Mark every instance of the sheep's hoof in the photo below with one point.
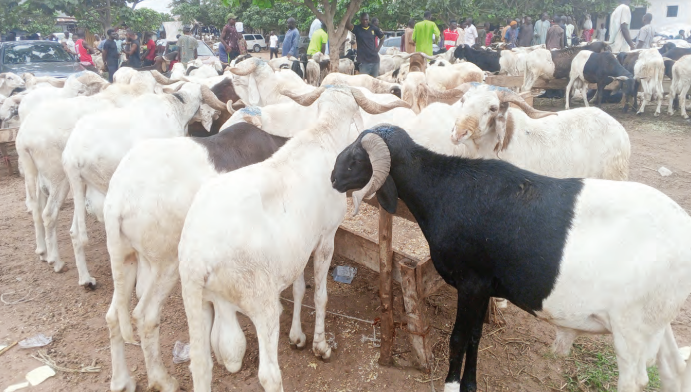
(300, 343)
(42, 254)
(322, 350)
(130, 386)
(90, 285)
(656, 114)
(60, 267)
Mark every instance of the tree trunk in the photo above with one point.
(337, 34)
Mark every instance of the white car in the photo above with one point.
(255, 42)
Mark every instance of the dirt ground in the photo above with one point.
(514, 357)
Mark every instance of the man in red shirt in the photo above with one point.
(83, 49)
(451, 35)
(150, 54)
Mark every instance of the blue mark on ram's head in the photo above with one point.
(384, 129)
(495, 88)
(252, 110)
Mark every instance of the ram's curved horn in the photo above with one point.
(160, 78)
(380, 157)
(404, 56)
(428, 57)
(454, 93)
(209, 98)
(244, 71)
(512, 97)
(373, 107)
(304, 99)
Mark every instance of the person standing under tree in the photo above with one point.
(540, 30)
(229, 49)
(291, 40)
(187, 46)
(471, 35)
(83, 49)
(273, 45)
(150, 54)
(367, 50)
(407, 44)
(525, 35)
(110, 54)
(133, 59)
(569, 31)
(451, 35)
(511, 37)
(555, 35)
(620, 20)
(318, 41)
(424, 33)
(646, 34)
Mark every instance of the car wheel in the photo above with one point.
(257, 48)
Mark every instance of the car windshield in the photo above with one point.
(203, 50)
(35, 53)
(393, 42)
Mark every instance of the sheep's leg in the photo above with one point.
(669, 362)
(199, 326)
(147, 314)
(50, 219)
(646, 96)
(227, 338)
(563, 341)
(78, 230)
(682, 100)
(567, 95)
(670, 106)
(584, 93)
(322, 260)
(297, 337)
(630, 344)
(660, 91)
(80, 258)
(124, 277)
(469, 382)
(35, 199)
(473, 300)
(600, 92)
(124, 271)
(636, 87)
(266, 321)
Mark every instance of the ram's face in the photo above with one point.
(474, 119)
(353, 168)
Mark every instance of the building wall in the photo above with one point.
(668, 25)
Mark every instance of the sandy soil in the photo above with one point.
(512, 358)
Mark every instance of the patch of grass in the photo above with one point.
(595, 368)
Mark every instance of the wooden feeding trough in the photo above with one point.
(7, 137)
(418, 279)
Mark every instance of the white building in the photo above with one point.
(669, 16)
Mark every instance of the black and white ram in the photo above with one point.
(589, 256)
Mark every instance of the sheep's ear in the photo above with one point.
(503, 136)
(387, 195)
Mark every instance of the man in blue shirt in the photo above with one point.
(291, 40)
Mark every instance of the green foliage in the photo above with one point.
(142, 19)
(26, 17)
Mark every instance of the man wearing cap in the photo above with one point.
(229, 49)
(187, 46)
(512, 34)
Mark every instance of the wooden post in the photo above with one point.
(385, 283)
(418, 327)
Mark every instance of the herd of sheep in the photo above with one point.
(516, 203)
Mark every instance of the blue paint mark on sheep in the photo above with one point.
(252, 110)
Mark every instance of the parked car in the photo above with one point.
(203, 50)
(255, 42)
(396, 43)
(41, 58)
